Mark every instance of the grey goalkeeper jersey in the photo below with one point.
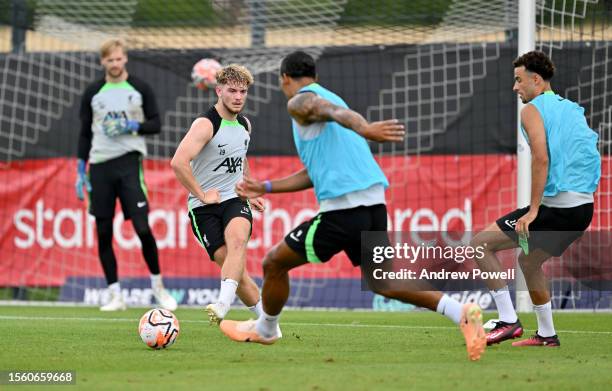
(132, 99)
(220, 164)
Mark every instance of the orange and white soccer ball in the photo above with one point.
(204, 73)
(158, 328)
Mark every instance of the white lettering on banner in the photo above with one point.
(202, 296)
(75, 217)
(269, 216)
(184, 228)
(483, 299)
(90, 223)
(132, 296)
(169, 220)
(74, 228)
(425, 219)
(41, 216)
(24, 228)
(34, 231)
(94, 296)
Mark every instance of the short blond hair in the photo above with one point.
(234, 73)
(111, 44)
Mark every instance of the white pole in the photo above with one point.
(526, 43)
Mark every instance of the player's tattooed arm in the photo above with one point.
(307, 108)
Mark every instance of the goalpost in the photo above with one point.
(526, 43)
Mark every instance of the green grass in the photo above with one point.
(47, 293)
(319, 351)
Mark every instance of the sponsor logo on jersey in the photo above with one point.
(231, 164)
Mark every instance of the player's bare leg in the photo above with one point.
(248, 291)
(492, 239)
(467, 316)
(236, 239)
(275, 292)
(538, 286)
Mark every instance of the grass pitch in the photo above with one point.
(320, 351)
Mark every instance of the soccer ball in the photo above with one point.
(204, 73)
(158, 328)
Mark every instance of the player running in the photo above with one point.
(350, 187)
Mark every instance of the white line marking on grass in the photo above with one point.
(348, 325)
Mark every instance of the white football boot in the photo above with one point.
(216, 312)
(115, 303)
(164, 299)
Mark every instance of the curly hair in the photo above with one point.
(536, 62)
(234, 73)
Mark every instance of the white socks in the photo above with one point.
(115, 288)
(227, 293)
(450, 308)
(545, 320)
(257, 309)
(505, 308)
(156, 282)
(267, 325)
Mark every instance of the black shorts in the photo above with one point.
(208, 222)
(553, 230)
(328, 233)
(119, 177)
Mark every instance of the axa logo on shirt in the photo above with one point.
(232, 164)
(115, 115)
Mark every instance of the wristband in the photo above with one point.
(268, 186)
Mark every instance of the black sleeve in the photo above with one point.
(86, 116)
(214, 118)
(244, 121)
(152, 124)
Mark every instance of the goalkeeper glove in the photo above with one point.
(81, 180)
(118, 125)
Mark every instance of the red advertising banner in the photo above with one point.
(47, 235)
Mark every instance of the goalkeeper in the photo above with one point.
(116, 112)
